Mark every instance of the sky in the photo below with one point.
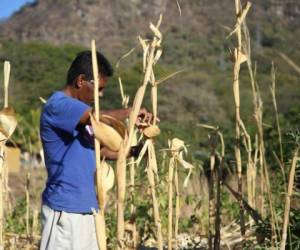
(8, 7)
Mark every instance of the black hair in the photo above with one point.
(82, 64)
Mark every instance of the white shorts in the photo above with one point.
(67, 231)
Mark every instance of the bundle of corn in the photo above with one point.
(8, 124)
(177, 148)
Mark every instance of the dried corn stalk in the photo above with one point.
(215, 173)
(219, 172)
(170, 196)
(251, 168)
(176, 147)
(257, 113)
(150, 51)
(131, 225)
(288, 199)
(35, 221)
(273, 93)
(6, 82)
(132, 164)
(99, 216)
(211, 184)
(8, 124)
(290, 62)
(152, 173)
(27, 186)
(238, 58)
(260, 149)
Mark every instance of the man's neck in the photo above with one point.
(70, 91)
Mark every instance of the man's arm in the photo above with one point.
(85, 118)
(119, 114)
(108, 154)
(111, 155)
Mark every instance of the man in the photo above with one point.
(69, 196)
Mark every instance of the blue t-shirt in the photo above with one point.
(69, 156)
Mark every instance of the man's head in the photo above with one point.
(80, 75)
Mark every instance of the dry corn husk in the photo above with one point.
(107, 135)
(240, 57)
(151, 131)
(177, 147)
(107, 176)
(186, 165)
(157, 56)
(116, 124)
(177, 144)
(8, 123)
(142, 152)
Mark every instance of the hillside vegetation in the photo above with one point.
(37, 40)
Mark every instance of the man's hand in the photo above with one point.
(136, 150)
(112, 156)
(144, 119)
(119, 114)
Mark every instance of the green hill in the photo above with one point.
(194, 42)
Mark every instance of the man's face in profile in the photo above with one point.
(86, 89)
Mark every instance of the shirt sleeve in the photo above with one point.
(65, 114)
